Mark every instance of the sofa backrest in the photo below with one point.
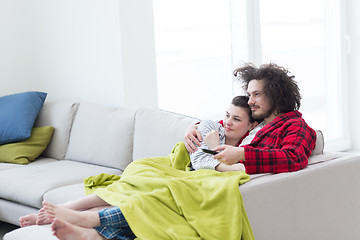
(102, 135)
(60, 116)
(112, 137)
(157, 131)
(319, 145)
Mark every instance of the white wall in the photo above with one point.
(82, 50)
(103, 51)
(353, 21)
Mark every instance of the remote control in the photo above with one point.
(209, 151)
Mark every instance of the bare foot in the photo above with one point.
(87, 219)
(66, 231)
(28, 220)
(43, 218)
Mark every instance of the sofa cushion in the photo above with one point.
(17, 115)
(28, 150)
(68, 193)
(157, 131)
(28, 184)
(4, 166)
(60, 116)
(102, 135)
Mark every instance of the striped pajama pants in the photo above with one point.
(113, 224)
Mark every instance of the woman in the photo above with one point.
(235, 126)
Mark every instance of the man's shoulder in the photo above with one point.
(294, 121)
(291, 120)
(293, 117)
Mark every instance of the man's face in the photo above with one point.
(259, 102)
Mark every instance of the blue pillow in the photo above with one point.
(18, 113)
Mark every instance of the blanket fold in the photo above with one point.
(162, 199)
(99, 181)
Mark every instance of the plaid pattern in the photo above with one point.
(113, 224)
(283, 145)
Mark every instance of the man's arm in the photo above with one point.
(229, 155)
(286, 150)
(192, 137)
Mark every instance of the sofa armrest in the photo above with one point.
(322, 201)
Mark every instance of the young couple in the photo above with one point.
(281, 143)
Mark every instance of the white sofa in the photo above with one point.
(321, 201)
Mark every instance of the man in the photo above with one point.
(285, 141)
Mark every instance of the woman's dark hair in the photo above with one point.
(280, 86)
(242, 101)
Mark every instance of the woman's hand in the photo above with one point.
(212, 139)
(227, 168)
(192, 136)
(229, 155)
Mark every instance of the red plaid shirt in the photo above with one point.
(283, 145)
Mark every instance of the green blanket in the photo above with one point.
(162, 199)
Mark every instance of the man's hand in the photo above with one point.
(229, 155)
(192, 136)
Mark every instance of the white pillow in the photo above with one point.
(319, 145)
(60, 116)
(157, 131)
(102, 135)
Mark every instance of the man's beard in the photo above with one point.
(263, 115)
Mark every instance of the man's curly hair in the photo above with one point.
(280, 86)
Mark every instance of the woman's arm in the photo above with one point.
(199, 159)
(227, 168)
(212, 139)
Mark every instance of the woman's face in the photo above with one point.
(236, 123)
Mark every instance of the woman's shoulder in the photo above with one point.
(209, 125)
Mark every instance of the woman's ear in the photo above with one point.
(253, 125)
